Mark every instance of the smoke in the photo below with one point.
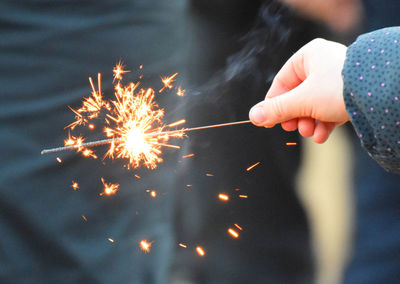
(261, 46)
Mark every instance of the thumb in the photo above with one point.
(293, 104)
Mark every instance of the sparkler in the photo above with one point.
(151, 134)
(133, 123)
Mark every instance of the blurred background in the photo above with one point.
(322, 214)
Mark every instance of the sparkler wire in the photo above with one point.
(108, 141)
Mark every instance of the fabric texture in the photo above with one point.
(372, 94)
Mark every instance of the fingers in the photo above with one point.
(293, 104)
(306, 126)
(322, 131)
(290, 125)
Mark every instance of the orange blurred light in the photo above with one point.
(109, 188)
(252, 166)
(145, 246)
(233, 233)
(200, 251)
(223, 197)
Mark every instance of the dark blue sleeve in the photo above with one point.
(371, 75)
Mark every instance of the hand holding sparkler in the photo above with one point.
(307, 93)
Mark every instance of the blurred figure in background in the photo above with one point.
(48, 49)
(376, 253)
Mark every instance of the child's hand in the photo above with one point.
(307, 93)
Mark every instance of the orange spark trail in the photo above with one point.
(243, 196)
(223, 197)
(187, 156)
(237, 226)
(233, 233)
(200, 251)
(252, 166)
(110, 240)
(179, 122)
(291, 143)
(59, 160)
(84, 218)
(182, 245)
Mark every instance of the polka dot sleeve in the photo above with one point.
(371, 75)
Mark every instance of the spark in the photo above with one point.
(243, 196)
(59, 160)
(75, 185)
(291, 143)
(200, 251)
(109, 188)
(167, 81)
(233, 233)
(189, 185)
(137, 176)
(252, 166)
(180, 92)
(84, 218)
(110, 240)
(153, 193)
(209, 175)
(179, 122)
(118, 71)
(187, 156)
(87, 153)
(223, 197)
(145, 246)
(129, 117)
(237, 226)
(182, 245)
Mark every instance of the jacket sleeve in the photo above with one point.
(371, 75)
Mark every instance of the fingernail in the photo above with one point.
(257, 115)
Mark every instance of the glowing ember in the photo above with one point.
(291, 143)
(110, 240)
(84, 218)
(189, 185)
(109, 188)
(153, 193)
(59, 160)
(237, 226)
(233, 233)
(137, 176)
(75, 185)
(187, 156)
(145, 246)
(133, 121)
(88, 153)
(180, 92)
(118, 71)
(209, 175)
(167, 81)
(182, 245)
(200, 251)
(243, 196)
(223, 197)
(252, 166)
(179, 122)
